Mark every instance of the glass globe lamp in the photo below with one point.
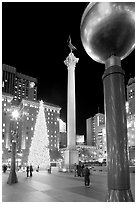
(108, 28)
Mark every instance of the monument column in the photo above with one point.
(71, 154)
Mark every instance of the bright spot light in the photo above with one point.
(15, 114)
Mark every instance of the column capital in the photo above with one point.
(71, 60)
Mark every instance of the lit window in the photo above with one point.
(55, 136)
(55, 131)
(55, 145)
(3, 124)
(55, 123)
(27, 118)
(48, 113)
(26, 138)
(48, 118)
(3, 130)
(4, 104)
(31, 128)
(48, 121)
(32, 119)
(51, 135)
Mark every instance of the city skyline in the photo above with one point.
(35, 41)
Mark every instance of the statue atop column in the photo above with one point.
(71, 60)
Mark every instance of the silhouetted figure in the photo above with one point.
(31, 170)
(79, 169)
(87, 174)
(4, 168)
(37, 169)
(82, 170)
(49, 169)
(75, 169)
(27, 170)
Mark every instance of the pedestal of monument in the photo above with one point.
(70, 158)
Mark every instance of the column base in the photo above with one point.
(70, 158)
(12, 178)
(119, 196)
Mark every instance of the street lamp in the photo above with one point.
(108, 36)
(12, 176)
(15, 114)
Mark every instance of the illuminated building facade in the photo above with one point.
(90, 136)
(130, 109)
(96, 135)
(63, 134)
(80, 140)
(25, 125)
(18, 85)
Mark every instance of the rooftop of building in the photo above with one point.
(31, 101)
(19, 75)
(131, 81)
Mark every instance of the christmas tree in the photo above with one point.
(39, 151)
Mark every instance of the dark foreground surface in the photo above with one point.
(57, 187)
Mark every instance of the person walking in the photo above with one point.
(87, 176)
(27, 170)
(75, 170)
(82, 170)
(79, 169)
(37, 169)
(31, 170)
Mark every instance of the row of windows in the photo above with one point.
(131, 94)
(5, 104)
(46, 109)
(7, 100)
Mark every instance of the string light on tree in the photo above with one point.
(39, 151)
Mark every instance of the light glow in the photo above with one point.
(15, 114)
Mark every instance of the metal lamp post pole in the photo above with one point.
(12, 176)
(116, 129)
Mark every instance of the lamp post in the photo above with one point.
(12, 175)
(108, 36)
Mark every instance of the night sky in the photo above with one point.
(35, 41)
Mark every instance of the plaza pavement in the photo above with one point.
(57, 187)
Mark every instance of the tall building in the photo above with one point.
(96, 136)
(25, 126)
(63, 134)
(93, 125)
(20, 86)
(130, 109)
(131, 96)
(90, 136)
